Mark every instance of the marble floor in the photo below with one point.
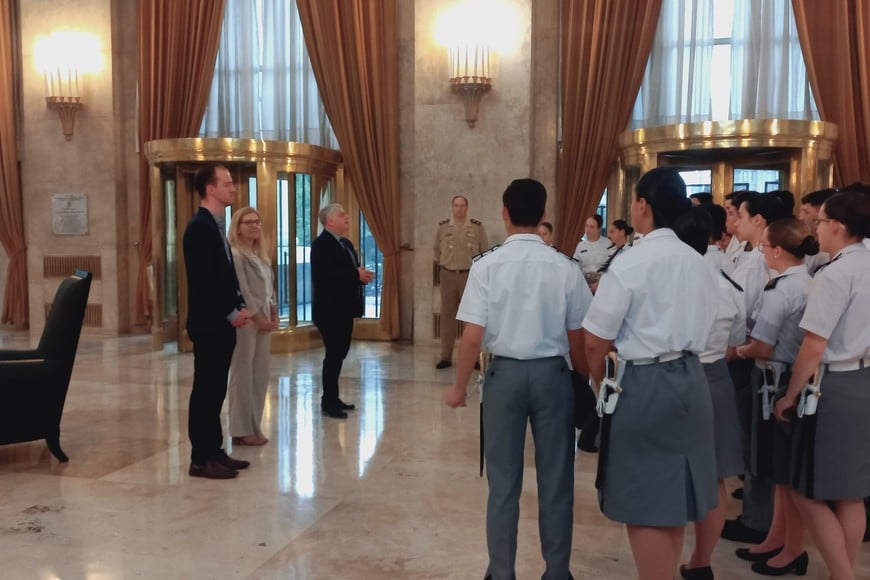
(392, 492)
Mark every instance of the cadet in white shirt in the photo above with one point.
(756, 211)
(657, 467)
(774, 344)
(525, 302)
(594, 250)
(830, 459)
(811, 203)
(727, 332)
(736, 247)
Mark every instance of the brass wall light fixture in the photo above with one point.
(470, 75)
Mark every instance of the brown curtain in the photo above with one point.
(605, 47)
(353, 46)
(11, 204)
(835, 39)
(178, 44)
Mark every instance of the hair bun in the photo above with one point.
(810, 246)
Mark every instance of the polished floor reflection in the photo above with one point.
(392, 492)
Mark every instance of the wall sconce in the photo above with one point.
(62, 95)
(469, 75)
(61, 58)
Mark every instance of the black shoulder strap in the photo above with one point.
(733, 283)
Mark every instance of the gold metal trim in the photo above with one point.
(282, 155)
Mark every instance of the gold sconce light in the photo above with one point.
(470, 75)
(62, 58)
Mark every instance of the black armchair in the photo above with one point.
(33, 383)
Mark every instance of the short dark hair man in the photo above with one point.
(526, 302)
(215, 310)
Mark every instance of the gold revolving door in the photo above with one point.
(724, 156)
(287, 183)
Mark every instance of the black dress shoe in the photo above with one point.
(797, 566)
(702, 573)
(737, 493)
(229, 462)
(334, 411)
(736, 531)
(211, 469)
(750, 556)
(345, 406)
(443, 364)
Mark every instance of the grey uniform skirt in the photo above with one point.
(830, 460)
(659, 466)
(772, 443)
(726, 423)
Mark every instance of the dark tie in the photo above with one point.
(347, 246)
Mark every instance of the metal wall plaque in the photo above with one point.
(69, 214)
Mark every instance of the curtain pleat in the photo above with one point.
(15, 310)
(605, 47)
(353, 45)
(835, 37)
(178, 43)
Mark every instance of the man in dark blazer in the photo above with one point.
(215, 310)
(338, 280)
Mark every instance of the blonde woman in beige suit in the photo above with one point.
(249, 370)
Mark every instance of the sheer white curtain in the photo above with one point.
(766, 55)
(688, 70)
(264, 86)
(676, 84)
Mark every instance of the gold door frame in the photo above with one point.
(803, 149)
(179, 158)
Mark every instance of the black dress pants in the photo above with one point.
(212, 353)
(336, 342)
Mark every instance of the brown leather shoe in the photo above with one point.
(229, 462)
(250, 440)
(211, 469)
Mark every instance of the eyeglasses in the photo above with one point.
(251, 222)
(817, 221)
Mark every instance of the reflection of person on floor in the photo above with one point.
(215, 310)
(337, 279)
(249, 371)
(524, 302)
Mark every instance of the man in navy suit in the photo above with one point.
(215, 310)
(338, 280)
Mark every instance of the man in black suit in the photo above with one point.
(215, 310)
(338, 280)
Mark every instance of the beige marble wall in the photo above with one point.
(514, 136)
(94, 162)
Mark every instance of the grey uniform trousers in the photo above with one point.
(518, 392)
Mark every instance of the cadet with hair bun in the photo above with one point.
(829, 457)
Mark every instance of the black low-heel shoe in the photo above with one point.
(704, 573)
(797, 566)
(750, 556)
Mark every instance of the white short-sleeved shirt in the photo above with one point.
(838, 305)
(718, 259)
(729, 328)
(813, 263)
(658, 298)
(734, 252)
(752, 274)
(592, 255)
(779, 312)
(526, 295)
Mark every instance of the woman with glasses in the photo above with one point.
(249, 371)
(774, 343)
(756, 212)
(830, 465)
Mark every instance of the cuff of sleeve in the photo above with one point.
(593, 328)
(472, 319)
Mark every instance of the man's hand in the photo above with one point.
(455, 396)
(365, 276)
(242, 319)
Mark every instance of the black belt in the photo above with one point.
(454, 271)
